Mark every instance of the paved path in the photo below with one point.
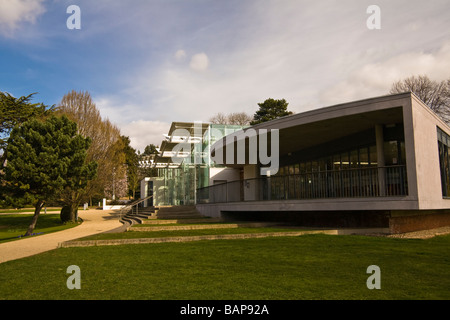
(94, 221)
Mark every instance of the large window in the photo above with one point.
(443, 144)
(355, 172)
(359, 158)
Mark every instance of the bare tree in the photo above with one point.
(106, 148)
(434, 94)
(239, 118)
(219, 118)
(235, 118)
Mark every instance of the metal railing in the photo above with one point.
(129, 207)
(349, 183)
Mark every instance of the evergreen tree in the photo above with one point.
(269, 110)
(45, 158)
(132, 163)
(14, 111)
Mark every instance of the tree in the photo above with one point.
(145, 158)
(219, 118)
(45, 158)
(106, 148)
(14, 111)
(132, 163)
(435, 95)
(239, 118)
(269, 110)
(235, 118)
(150, 149)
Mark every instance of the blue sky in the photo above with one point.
(147, 63)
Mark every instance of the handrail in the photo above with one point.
(132, 204)
(305, 174)
(348, 183)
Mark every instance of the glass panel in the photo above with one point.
(390, 153)
(336, 162)
(322, 164)
(314, 166)
(302, 167)
(291, 170)
(364, 157)
(345, 164)
(446, 166)
(354, 159)
(373, 156)
(402, 153)
(308, 166)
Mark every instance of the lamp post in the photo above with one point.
(114, 190)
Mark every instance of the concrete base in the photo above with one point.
(391, 221)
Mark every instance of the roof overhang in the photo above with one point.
(304, 130)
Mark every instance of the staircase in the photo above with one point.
(161, 215)
(177, 212)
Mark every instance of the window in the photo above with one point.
(443, 145)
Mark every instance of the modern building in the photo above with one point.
(380, 162)
(184, 164)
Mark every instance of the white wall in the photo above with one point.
(426, 154)
(223, 174)
(251, 188)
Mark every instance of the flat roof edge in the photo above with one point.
(337, 107)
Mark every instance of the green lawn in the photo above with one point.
(12, 226)
(182, 233)
(292, 268)
(28, 210)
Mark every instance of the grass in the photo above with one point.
(182, 233)
(286, 268)
(151, 225)
(27, 210)
(12, 226)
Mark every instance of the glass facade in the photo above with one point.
(443, 146)
(181, 180)
(348, 167)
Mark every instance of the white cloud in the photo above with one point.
(199, 62)
(311, 54)
(15, 12)
(180, 55)
(143, 133)
(374, 79)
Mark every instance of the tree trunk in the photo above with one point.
(74, 211)
(37, 211)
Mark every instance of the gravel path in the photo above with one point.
(424, 234)
(94, 221)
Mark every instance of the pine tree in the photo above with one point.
(45, 159)
(269, 110)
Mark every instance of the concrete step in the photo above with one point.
(179, 216)
(88, 243)
(144, 210)
(175, 208)
(189, 220)
(177, 212)
(207, 226)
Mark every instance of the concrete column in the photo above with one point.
(380, 159)
(251, 187)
